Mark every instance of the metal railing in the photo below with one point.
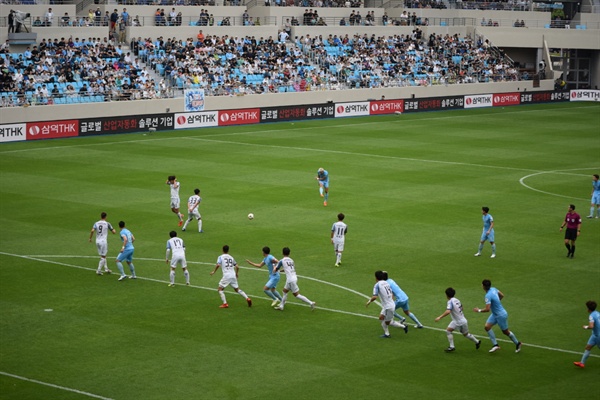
(84, 21)
(495, 6)
(379, 21)
(222, 20)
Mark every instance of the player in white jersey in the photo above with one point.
(383, 290)
(176, 247)
(459, 322)
(338, 238)
(230, 275)
(174, 185)
(193, 212)
(291, 280)
(102, 228)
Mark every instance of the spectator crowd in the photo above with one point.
(94, 69)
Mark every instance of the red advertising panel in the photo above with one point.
(386, 107)
(506, 99)
(239, 117)
(52, 129)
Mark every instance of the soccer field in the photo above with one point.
(411, 187)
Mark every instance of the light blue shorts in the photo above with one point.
(324, 183)
(501, 321)
(402, 304)
(489, 237)
(594, 341)
(126, 255)
(273, 281)
(596, 198)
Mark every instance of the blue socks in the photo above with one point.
(412, 316)
(492, 336)
(513, 338)
(586, 354)
(120, 267)
(274, 295)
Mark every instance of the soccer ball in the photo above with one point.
(250, 216)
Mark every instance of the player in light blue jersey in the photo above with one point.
(499, 316)
(594, 325)
(595, 206)
(323, 179)
(270, 288)
(488, 232)
(126, 253)
(401, 301)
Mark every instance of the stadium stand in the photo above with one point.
(246, 61)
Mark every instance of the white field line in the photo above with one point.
(40, 258)
(558, 172)
(95, 396)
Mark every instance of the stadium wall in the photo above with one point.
(123, 108)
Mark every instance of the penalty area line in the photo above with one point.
(95, 396)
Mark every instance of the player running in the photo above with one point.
(270, 288)
(459, 322)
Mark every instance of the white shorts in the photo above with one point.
(194, 214)
(178, 260)
(102, 248)
(388, 314)
(338, 246)
(231, 281)
(175, 202)
(292, 286)
(464, 328)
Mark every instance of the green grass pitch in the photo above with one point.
(411, 186)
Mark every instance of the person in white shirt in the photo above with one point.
(230, 277)
(176, 247)
(283, 36)
(193, 212)
(383, 290)
(459, 322)
(102, 228)
(291, 283)
(175, 202)
(48, 17)
(338, 238)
